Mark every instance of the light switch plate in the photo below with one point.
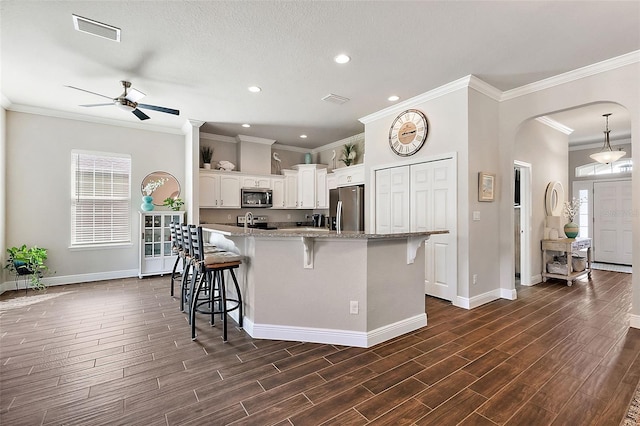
(476, 215)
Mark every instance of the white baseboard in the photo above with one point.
(71, 279)
(332, 336)
(509, 294)
(479, 300)
(634, 321)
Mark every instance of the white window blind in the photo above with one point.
(100, 198)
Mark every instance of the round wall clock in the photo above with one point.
(408, 132)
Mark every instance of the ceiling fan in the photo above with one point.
(128, 101)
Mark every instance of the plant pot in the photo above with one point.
(571, 230)
(207, 166)
(21, 268)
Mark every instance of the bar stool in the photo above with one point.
(176, 248)
(210, 279)
(188, 263)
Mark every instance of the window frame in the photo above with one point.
(102, 194)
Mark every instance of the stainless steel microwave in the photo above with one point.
(256, 197)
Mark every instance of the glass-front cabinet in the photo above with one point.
(156, 257)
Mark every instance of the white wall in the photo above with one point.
(3, 190)
(38, 186)
(546, 150)
(619, 85)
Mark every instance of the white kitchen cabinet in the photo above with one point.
(307, 184)
(249, 181)
(219, 190)
(351, 175)
(277, 186)
(290, 189)
(156, 257)
(322, 190)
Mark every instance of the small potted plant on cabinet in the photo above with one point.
(173, 203)
(206, 153)
(28, 261)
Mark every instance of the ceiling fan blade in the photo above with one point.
(88, 91)
(95, 105)
(159, 108)
(141, 115)
(134, 95)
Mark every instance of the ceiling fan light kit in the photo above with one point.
(606, 154)
(128, 101)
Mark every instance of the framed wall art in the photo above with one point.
(486, 186)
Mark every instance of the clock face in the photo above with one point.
(408, 132)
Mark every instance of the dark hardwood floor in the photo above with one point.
(119, 352)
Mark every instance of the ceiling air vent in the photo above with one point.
(96, 28)
(335, 99)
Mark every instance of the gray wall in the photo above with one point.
(38, 165)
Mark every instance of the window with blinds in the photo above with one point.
(100, 198)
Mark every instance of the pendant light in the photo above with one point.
(606, 154)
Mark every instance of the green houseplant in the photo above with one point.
(206, 153)
(28, 261)
(173, 203)
(348, 154)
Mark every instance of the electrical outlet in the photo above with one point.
(353, 307)
(475, 278)
(228, 217)
(288, 216)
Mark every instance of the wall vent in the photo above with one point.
(96, 28)
(335, 99)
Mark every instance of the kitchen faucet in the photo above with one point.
(248, 219)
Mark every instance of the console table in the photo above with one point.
(566, 245)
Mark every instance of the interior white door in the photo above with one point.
(392, 200)
(433, 207)
(612, 227)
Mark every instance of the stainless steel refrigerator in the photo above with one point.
(351, 199)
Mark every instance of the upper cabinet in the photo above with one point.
(277, 185)
(249, 181)
(307, 185)
(351, 175)
(219, 190)
(322, 189)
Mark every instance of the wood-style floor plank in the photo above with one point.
(119, 352)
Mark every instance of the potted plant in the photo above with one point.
(28, 261)
(206, 153)
(173, 203)
(348, 154)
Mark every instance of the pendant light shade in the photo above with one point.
(606, 154)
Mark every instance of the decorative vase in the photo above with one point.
(207, 166)
(571, 230)
(147, 203)
(307, 158)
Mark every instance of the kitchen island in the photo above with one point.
(315, 285)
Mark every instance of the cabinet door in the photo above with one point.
(322, 191)
(229, 191)
(291, 190)
(277, 185)
(392, 200)
(307, 188)
(263, 182)
(248, 182)
(209, 190)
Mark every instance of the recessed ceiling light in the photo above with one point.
(254, 89)
(246, 125)
(393, 98)
(303, 136)
(342, 59)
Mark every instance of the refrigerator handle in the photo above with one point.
(339, 217)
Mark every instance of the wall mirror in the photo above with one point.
(167, 186)
(554, 199)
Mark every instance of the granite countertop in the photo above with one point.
(236, 231)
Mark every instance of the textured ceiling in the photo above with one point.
(200, 56)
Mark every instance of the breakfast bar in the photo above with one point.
(315, 285)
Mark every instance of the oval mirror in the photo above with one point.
(160, 185)
(554, 199)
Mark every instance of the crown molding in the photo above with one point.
(281, 147)
(254, 139)
(4, 101)
(412, 102)
(91, 119)
(485, 88)
(555, 125)
(569, 76)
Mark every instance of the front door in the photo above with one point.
(612, 224)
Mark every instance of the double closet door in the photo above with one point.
(422, 197)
